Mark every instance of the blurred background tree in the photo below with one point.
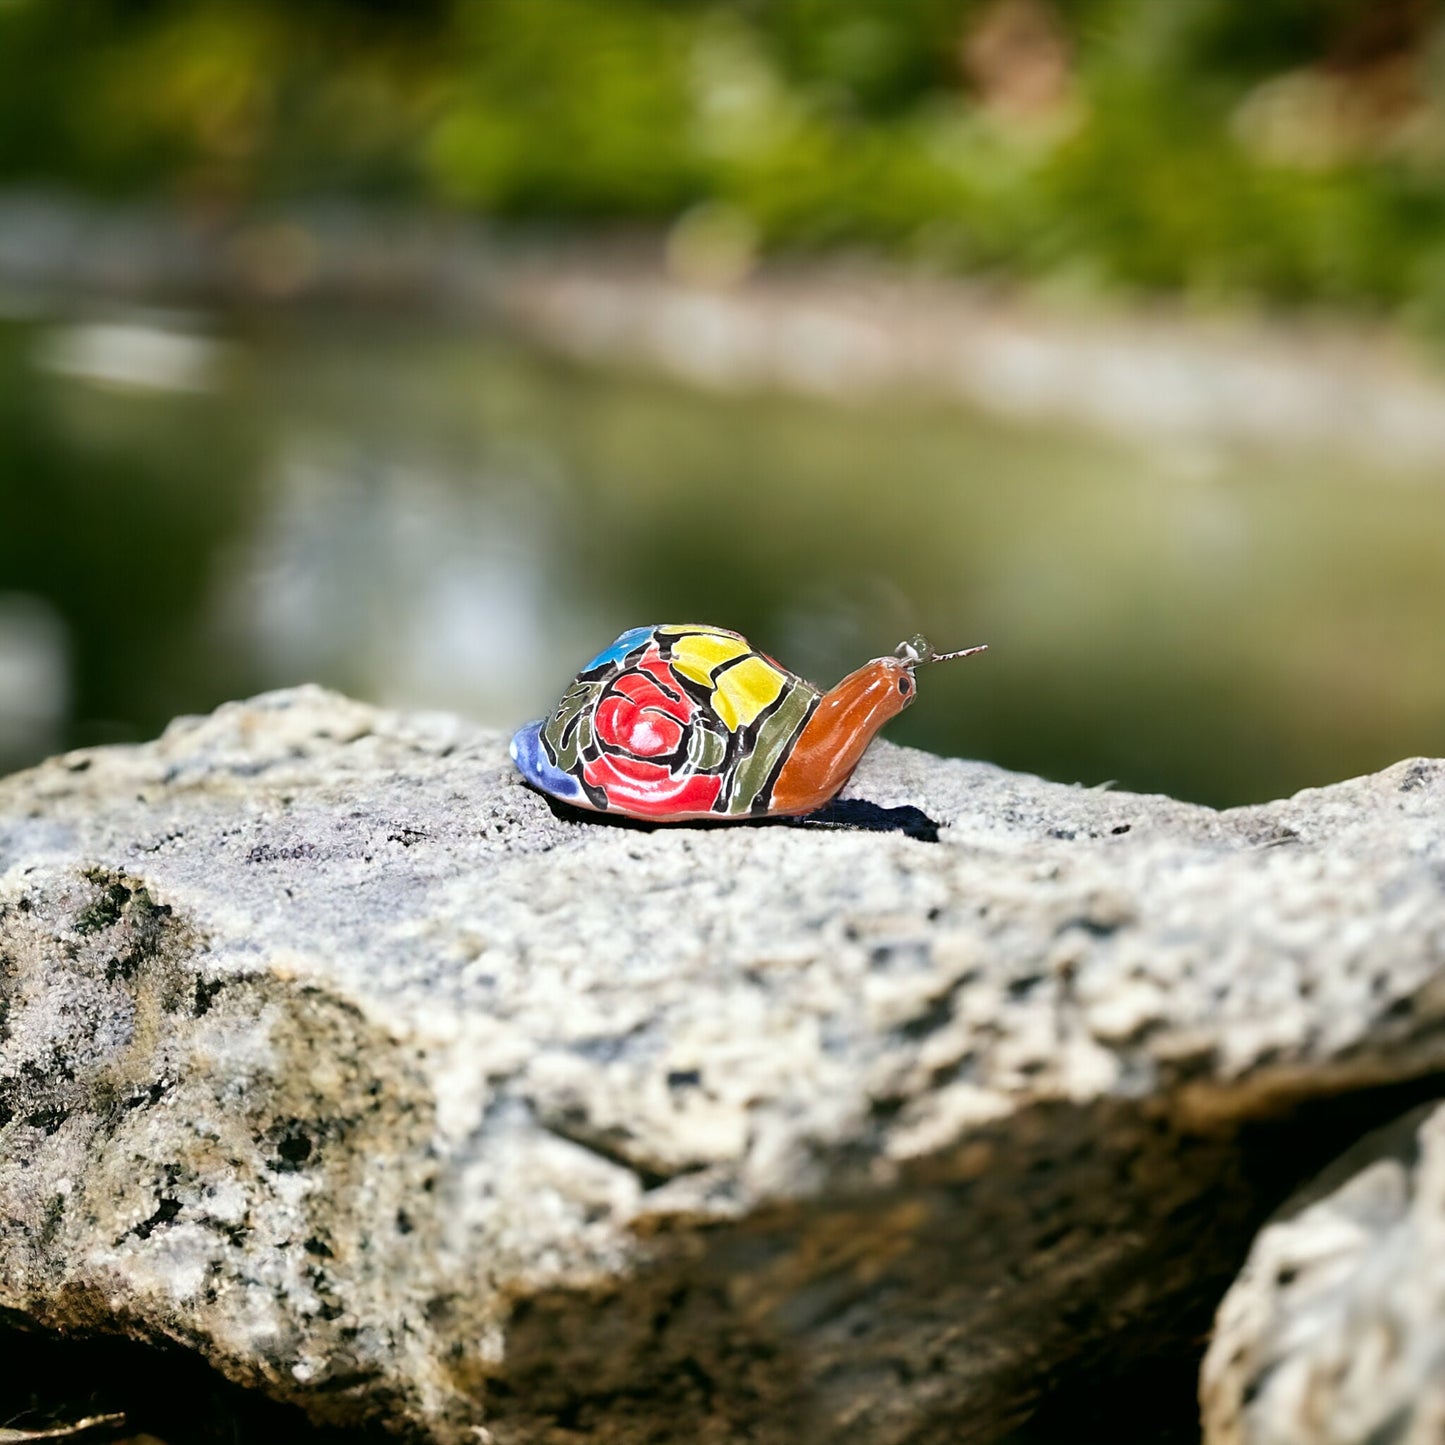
(1285, 152)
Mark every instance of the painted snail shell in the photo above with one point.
(678, 722)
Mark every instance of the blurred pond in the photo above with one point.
(196, 509)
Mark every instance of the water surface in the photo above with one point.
(196, 508)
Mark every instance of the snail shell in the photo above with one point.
(677, 722)
(670, 722)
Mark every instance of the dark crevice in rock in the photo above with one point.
(163, 1391)
(166, 1211)
(151, 1094)
(937, 1015)
(293, 1149)
(1291, 1148)
(1138, 1386)
(1150, 1404)
(47, 1120)
(205, 995)
(613, 1153)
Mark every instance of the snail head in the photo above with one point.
(885, 686)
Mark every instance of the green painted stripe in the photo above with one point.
(706, 749)
(753, 776)
(564, 731)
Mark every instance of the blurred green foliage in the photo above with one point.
(1290, 151)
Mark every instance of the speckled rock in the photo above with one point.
(1334, 1333)
(333, 1053)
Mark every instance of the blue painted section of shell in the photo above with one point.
(619, 649)
(538, 769)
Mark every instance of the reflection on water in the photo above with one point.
(427, 518)
(399, 576)
(34, 675)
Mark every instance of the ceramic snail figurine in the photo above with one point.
(673, 723)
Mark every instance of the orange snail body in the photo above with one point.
(847, 720)
(673, 723)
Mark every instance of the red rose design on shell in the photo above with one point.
(641, 725)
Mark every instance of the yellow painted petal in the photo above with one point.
(745, 690)
(698, 653)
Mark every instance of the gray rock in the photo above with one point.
(1334, 1332)
(332, 1053)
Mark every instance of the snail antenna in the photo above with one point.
(962, 652)
(918, 649)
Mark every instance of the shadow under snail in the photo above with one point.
(677, 723)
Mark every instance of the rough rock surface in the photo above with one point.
(1334, 1333)
(329, 1051)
